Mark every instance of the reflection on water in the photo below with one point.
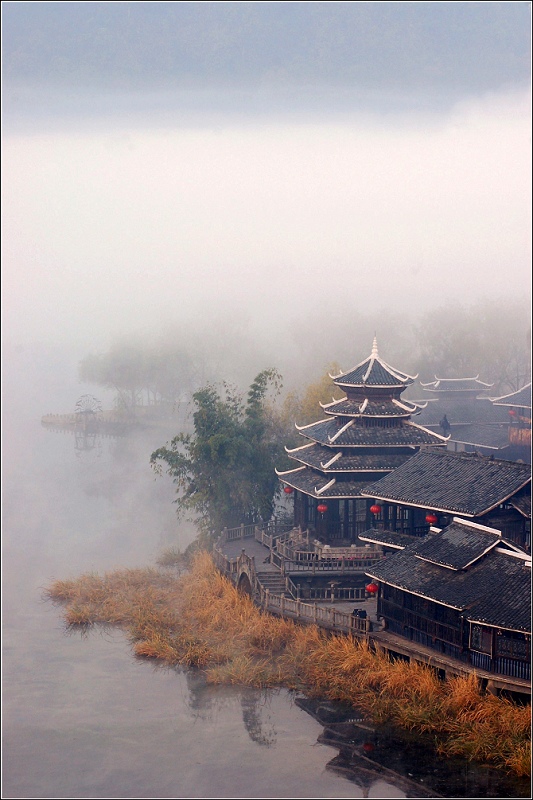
(81, 716)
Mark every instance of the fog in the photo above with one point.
(129, 228)
(259, 176)
(228, 187)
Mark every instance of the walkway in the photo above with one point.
(389, 642)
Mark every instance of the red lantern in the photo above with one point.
(512, 412)
(375, 509)
(368, 747)
(372, 588)
(431, 519)
(322, 508)
(288, 490)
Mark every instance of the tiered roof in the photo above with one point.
(375, 372)
(364, 436)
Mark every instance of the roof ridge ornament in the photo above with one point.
(375, 353)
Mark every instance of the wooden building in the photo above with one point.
(436, 485)
(518, 407)
(461, 408)
(362, 437)
(464, 591)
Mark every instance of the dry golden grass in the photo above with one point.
(200, 619)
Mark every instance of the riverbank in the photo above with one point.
(200, 619)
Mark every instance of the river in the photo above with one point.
(81, 716)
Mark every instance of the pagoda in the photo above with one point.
(363, 437)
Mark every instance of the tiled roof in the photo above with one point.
(457, 385)
(314, 484)
(519, 399)
(513, 609)
(475, 591)
(371, 408)
(373, 371)
(495, 437)
(386, 538)
(408, 434)
(321, 458)
(522, 503)
(461, 410)
(459, 483)
(456, 546)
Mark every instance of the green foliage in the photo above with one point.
(225, 470)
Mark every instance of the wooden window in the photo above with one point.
(509, 646)
(481, 639)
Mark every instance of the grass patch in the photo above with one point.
(200, 619)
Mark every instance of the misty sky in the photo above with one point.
(165, 162)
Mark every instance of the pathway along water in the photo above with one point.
(83, 718)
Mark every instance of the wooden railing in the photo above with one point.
(342, 566)
(324, 616)
(264, 532)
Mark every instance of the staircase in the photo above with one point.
(273, 581)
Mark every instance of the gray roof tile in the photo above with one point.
(496, 589)
(458, 483)
(359, 435)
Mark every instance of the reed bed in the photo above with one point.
(200, 619)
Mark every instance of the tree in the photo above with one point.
(225, 470)
(304, 408)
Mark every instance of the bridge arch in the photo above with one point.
(245, 582)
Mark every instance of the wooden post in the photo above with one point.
(267, 597)
(298, 604)
(282, 602)
(314, 612)
(225, 532)
(242, 530)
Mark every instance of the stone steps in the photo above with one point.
(272, 581)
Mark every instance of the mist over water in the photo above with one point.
(255, 185)
(265, 224)
(81, 716)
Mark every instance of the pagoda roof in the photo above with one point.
(492, 437)
(456, 385)
(519, 399)
(315, 484)
(373, 372)
(372, 407)
(460, 483)
(329, 460)
(349, 434)
(460, 410)
(487, 562)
